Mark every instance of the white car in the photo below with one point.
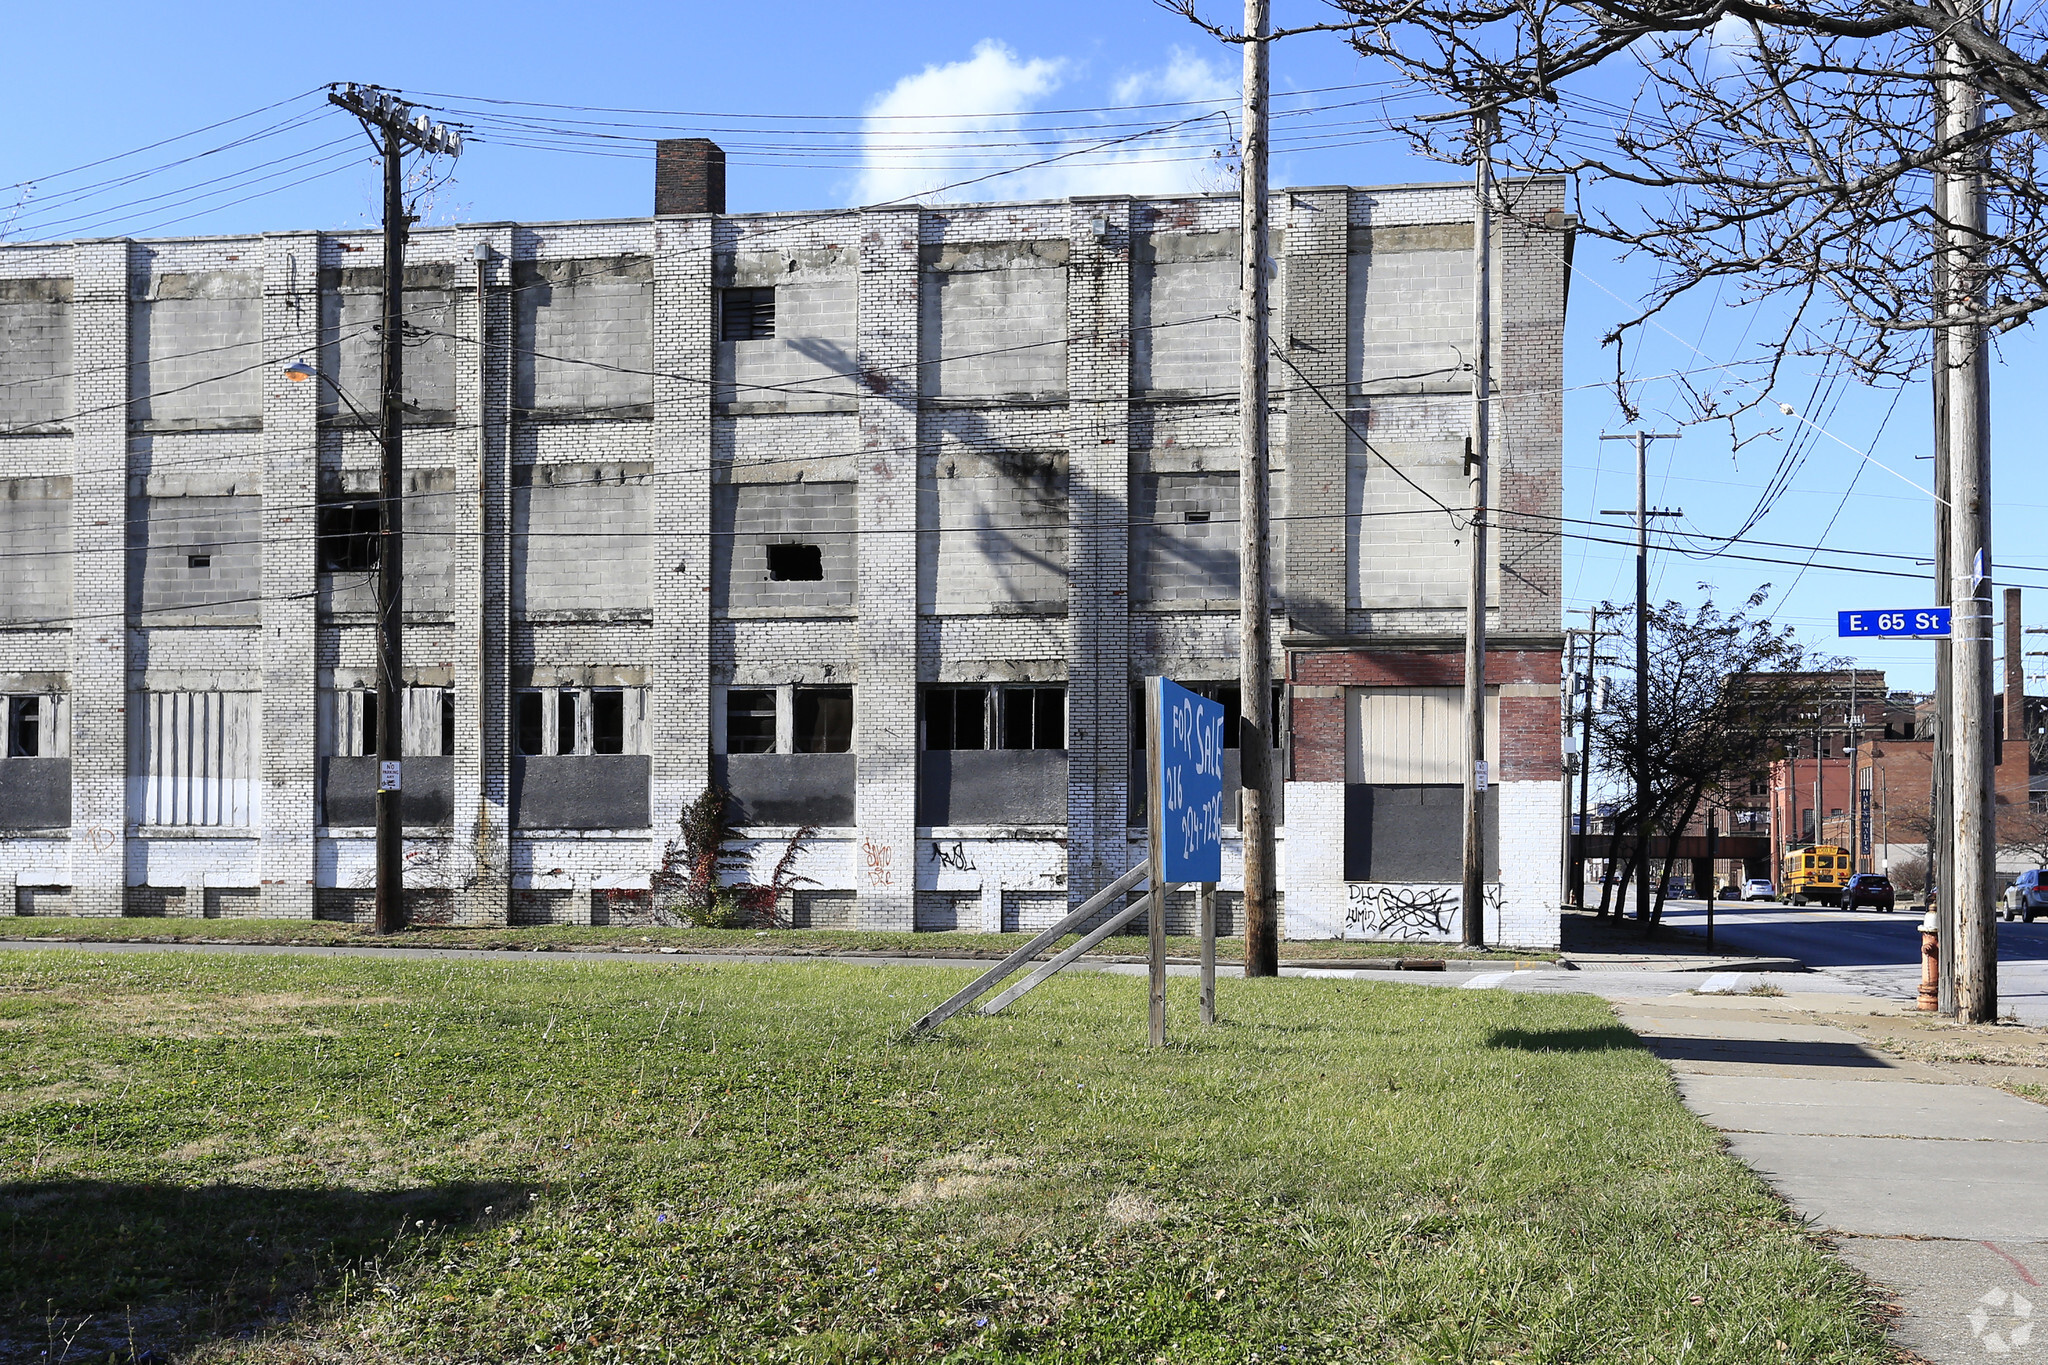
(1759, 889)
(2028, 895)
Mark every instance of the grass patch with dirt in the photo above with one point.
(656, 938)
(287, 1160)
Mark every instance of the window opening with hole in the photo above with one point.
(795, 564)
(349, 536)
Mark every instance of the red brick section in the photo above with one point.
(1318, 738)
(1528, 725)
(689, 176)
(1337, 668)
(1529, 749)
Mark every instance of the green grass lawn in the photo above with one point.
(557, 937)
(292, 1160)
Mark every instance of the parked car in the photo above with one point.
(1759, 889)
(1873, 889)
(2028, 895)
(1730, 892)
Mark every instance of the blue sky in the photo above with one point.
(111, 77)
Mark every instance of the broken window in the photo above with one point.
(565, 723)
(746, 314)
(1034, 717)
(1225, 693)
(608, 722)
(824, 720)
(956, 718)
(427, 729)
(560, 722)
(1010, 717)
(750, 722)
(349, 535)
(532, 725)
(795, 564)
(24, 727)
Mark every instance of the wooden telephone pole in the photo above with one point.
(1970, 734)
(394, 125)
(1255, 643)
(1474, 841)
(1641, 758)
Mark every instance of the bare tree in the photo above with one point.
(1722, 690)
(1785, 151)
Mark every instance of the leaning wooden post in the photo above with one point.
(1155, 814)
(1205, 901)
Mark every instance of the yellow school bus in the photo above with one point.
(1816, 872)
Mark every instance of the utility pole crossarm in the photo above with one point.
(381, 109)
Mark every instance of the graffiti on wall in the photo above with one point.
(1408, 910)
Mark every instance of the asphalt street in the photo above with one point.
(1876, 954)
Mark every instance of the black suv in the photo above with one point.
(1873, 889)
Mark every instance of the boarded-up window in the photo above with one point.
(429, 722)
(1413, 736)
(38, 726)
(197, 753)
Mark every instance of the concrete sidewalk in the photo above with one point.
(1932, 1185)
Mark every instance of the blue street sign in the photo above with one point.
(1187, 782)
(1903, 623)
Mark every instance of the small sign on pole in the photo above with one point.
(387, 776)
(1184, 775)
(1897, 623)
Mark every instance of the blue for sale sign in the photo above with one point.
(1903, 623)
(1186, 744)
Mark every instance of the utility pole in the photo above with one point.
(1475, 473)
(399, 126)
(1941, 812)
(1642, 753)
(1586, 762)
(1573, 761)
(1255, 646)
(1969, 495)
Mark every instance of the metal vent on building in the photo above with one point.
(746, 314)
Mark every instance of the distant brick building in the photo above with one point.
(875, 517)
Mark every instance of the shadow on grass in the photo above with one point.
(1607, 1038)
(131, 1272)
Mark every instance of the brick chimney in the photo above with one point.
(689, 176)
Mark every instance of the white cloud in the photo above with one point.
(1732, 41)
(967, 120)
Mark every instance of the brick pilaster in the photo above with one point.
(679, 699)
(1312, 334)
(885, 695)
(99, 598)
(480, 859)
(1099, 545)
(291, 461)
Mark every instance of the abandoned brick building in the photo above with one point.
(876, 517)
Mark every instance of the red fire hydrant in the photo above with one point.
(1930, 964)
